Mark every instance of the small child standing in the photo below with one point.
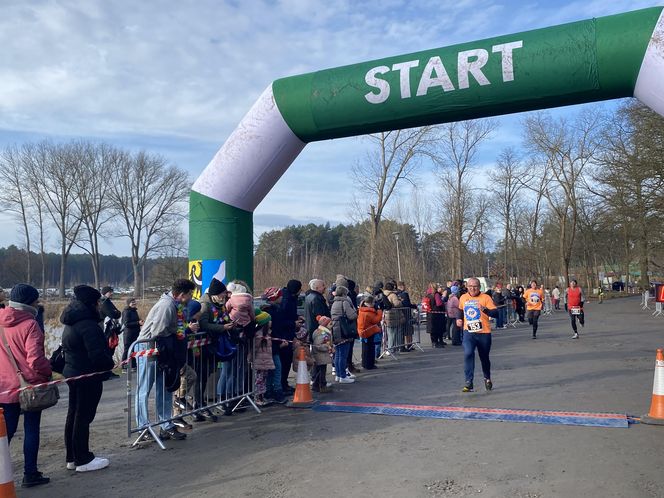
(368, 326)
(323, 349)
(262, 360)
(302, 339)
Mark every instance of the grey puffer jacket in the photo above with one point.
(342, 306)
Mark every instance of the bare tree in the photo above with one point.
(15, 194)
(56, 180)
(393, 162)
(506, 185)
(97, 169)
(630, 176)
(564, 149)
(456, 159)
(148, 197)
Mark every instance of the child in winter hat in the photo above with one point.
(322, 349)
(240, 305)
(302, 340)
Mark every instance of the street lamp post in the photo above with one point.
(396, 237)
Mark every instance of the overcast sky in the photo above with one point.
(175, 77)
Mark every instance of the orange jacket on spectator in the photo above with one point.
(367, 321)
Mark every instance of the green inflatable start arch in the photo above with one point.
(598, 59)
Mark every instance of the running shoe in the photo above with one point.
(182, 423)
(346, 380)
(468, 388)
(575, 336)
(488, 384)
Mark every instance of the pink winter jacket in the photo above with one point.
(26, 342)
(240, 308)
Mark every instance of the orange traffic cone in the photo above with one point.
(302, 397)
(656, 414)
(7, 489)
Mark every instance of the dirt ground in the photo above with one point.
(301, 453)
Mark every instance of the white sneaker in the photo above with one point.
(328, 384)
(336, 379)
(71, 466)
(346, 380)
(575, 336)
(96, 464)
(348, 374)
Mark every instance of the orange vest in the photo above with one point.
(574, 296)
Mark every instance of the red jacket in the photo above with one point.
(26, 342)
(367, 322)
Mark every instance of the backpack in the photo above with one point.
(426, 304)
(112, 330)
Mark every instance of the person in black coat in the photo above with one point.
(131, 327)
(290, 294)
(110, 317)
(315, 305)
(86, 351)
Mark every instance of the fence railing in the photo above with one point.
(401, 329)
(206, 381)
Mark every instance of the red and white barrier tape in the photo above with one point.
(147, 352)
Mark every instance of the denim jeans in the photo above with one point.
(378, 341)
(391, 337)
(225, 384)
(31, 421)
(500, 319)
(340, 356)
(274, 378)
(148, 374)
(483, 344)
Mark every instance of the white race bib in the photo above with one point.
(472, 313)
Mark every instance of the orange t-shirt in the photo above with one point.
(534, 299)
(473, 319)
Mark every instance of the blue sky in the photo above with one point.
(175, 78)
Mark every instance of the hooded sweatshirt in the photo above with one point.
(26, 342)
(85, 347)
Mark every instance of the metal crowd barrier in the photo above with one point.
(645, 299)
(404, 331)
(205, 384)
(512, 316)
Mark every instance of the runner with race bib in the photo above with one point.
(575, 301)
(534, 298)
(477, 308)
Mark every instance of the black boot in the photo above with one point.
(30, 480)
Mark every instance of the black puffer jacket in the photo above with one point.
(85, 347)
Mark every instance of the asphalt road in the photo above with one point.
(300, 453)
